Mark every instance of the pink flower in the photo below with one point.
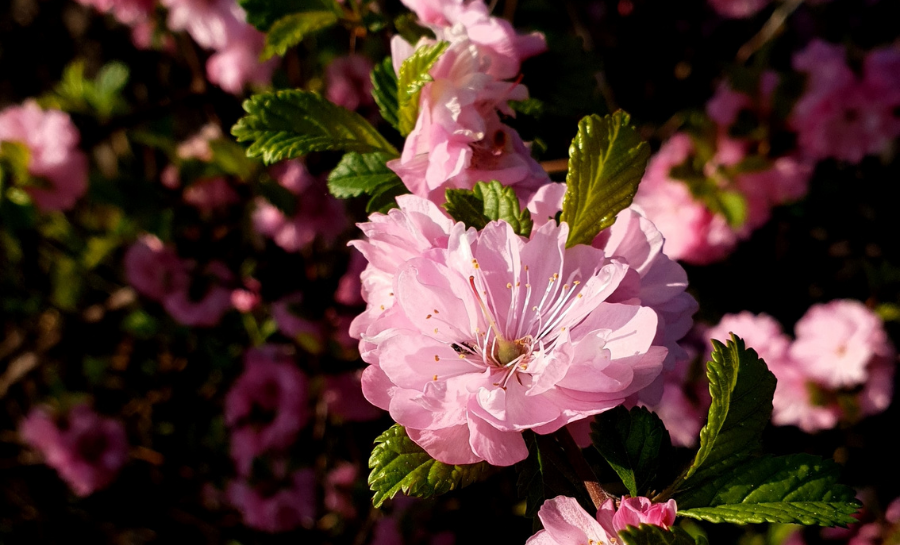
(266, 406)
(495, 38)
(88, 450)
(684, 402)
(197, 146)
(153, 269)
(836, 343)
(567, 523)
(459, 139)
(637, 511)
(213, 24)
(738, 9)
(245, 300)
(202, 300)
(318, 213)
(290, 323)
(129, 12)
(210, 194)
(289, 508)
(339, 485)
(238, 64)
(344, 398)
(495, 334)
(59, 167)
(349, 84)
(840, 115)
(693, 233)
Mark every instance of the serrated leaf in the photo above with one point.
(547, 473)
(413, 76)
(264, 13)
(606, 161)
(400, 465)
(384, 91)
(359, 173)
(287, 124)
(385, 198)
(488, 201)
(796, 489)
(633, 443)
(291, 29)
(648, 534)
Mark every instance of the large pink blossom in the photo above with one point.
(494, 334)
(290, 507)
(348, 81)
(459, 139)
(59, 167)
(87, 450)
(841, 115)
(495, 39)
(318, 214)
(266, 406)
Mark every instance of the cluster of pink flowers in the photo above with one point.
(459, 138)
(695, 233)
(567, 523)
(137, 14)
(839, 367)
(57, 167)
(474, 337)
(842, 115)
(317, 213)
(195, 296)
(87, 449)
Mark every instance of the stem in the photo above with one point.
(772, 27)
(598, 495)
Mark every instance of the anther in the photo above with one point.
(437, 358)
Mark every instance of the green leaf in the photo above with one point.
(359, 173)
(101, 96)
(606, 161)
(290, 30)
(547, 473)
(67, 280)
(264, 13)
(399, 465)
(287, 124)
(413, 76)
(798, 489)
(488, 201)
(648, 534)
(14, 159)
(733, 205)
(410, 30)
(633, 443)
(385, 198)
(384, 91)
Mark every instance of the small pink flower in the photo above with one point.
(318, 214)
(567, 523)
(494, 334)
(348, 81)
(88, 450)
(202, 300)
(237, 65)
(211, 194)
(339, 485)
(266, 406)
(344, 398)
(52, 142)
(286, 509)
(128, 12)
(213, 24)
(245, 300)
(637, 511)
(197, 146)
(153, 269)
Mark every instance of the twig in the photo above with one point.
(584, 471)
(768, 31)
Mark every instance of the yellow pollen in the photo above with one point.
(565, 286)
(436, 311)
(462, 356)
(555, 276)
(577, 282)
(437, 358)
(518, 284)
(580, 295)
(534, 308)
(563, 329)
(508, 285)
(382, 307)
(526, 267)
(428, 317)
(435, 377)
(392, 294)
(551, 279)
(435, 330)
(528, 286)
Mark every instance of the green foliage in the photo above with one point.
(409, 29)
(263, 14)
(606, 161)
(286, 124)
(547, 473)
(399, 465)
(413, 76)
(384, 91)
(633, 443)
(14, 159)
(291, 29)
(799, 488)
(366, 173)
(648, 534)
(101, 96)
(488, 201)
(741, 387)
